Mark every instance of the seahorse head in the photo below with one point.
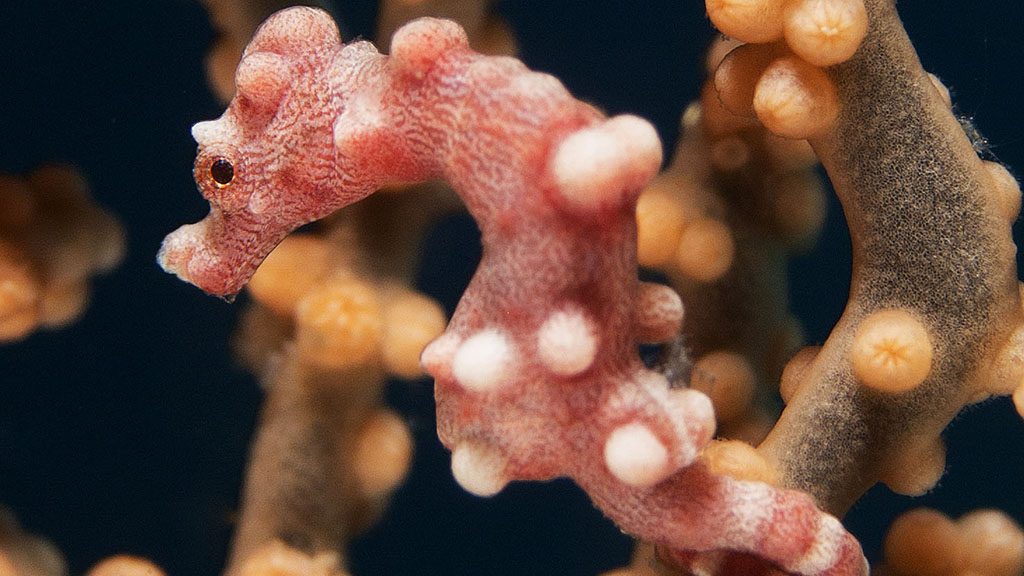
(266, 165)
(314, 126)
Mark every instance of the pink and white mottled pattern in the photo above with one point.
(538, 374)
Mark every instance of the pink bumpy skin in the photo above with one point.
(538, 373)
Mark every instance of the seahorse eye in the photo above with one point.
(222, 172)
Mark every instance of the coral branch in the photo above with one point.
(326, 457)
(732, 176)
(931, 244)
(288, 496)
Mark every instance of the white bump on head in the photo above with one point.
(538, 83)
(641, 145)
(587, 168)
(365, 107)
(636, 456)
(478, 468)
(824, 551)
(566, 342)
(361, 120)
(484, 361)
(262, 78)
(418, 44)
(207, 131)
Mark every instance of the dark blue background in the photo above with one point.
(128, 432)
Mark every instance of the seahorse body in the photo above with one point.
(538, 373)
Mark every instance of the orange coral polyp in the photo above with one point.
(279, 559)
(748, 20)
(340, 324)
(993, 543)
(125, 565)
(891, 352)
(660, 220)
(297, 264)
(794, 371)
(728, 379)
(382, 455)
(7, 567)
(918, 470)
(825, 32)
(411, 321)
(738, 460)
(924, 542)
(706, 250)
(1018, 400)
(796, 99)
(1007, 189)
(62, 304)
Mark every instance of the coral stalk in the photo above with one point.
(929, 238)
